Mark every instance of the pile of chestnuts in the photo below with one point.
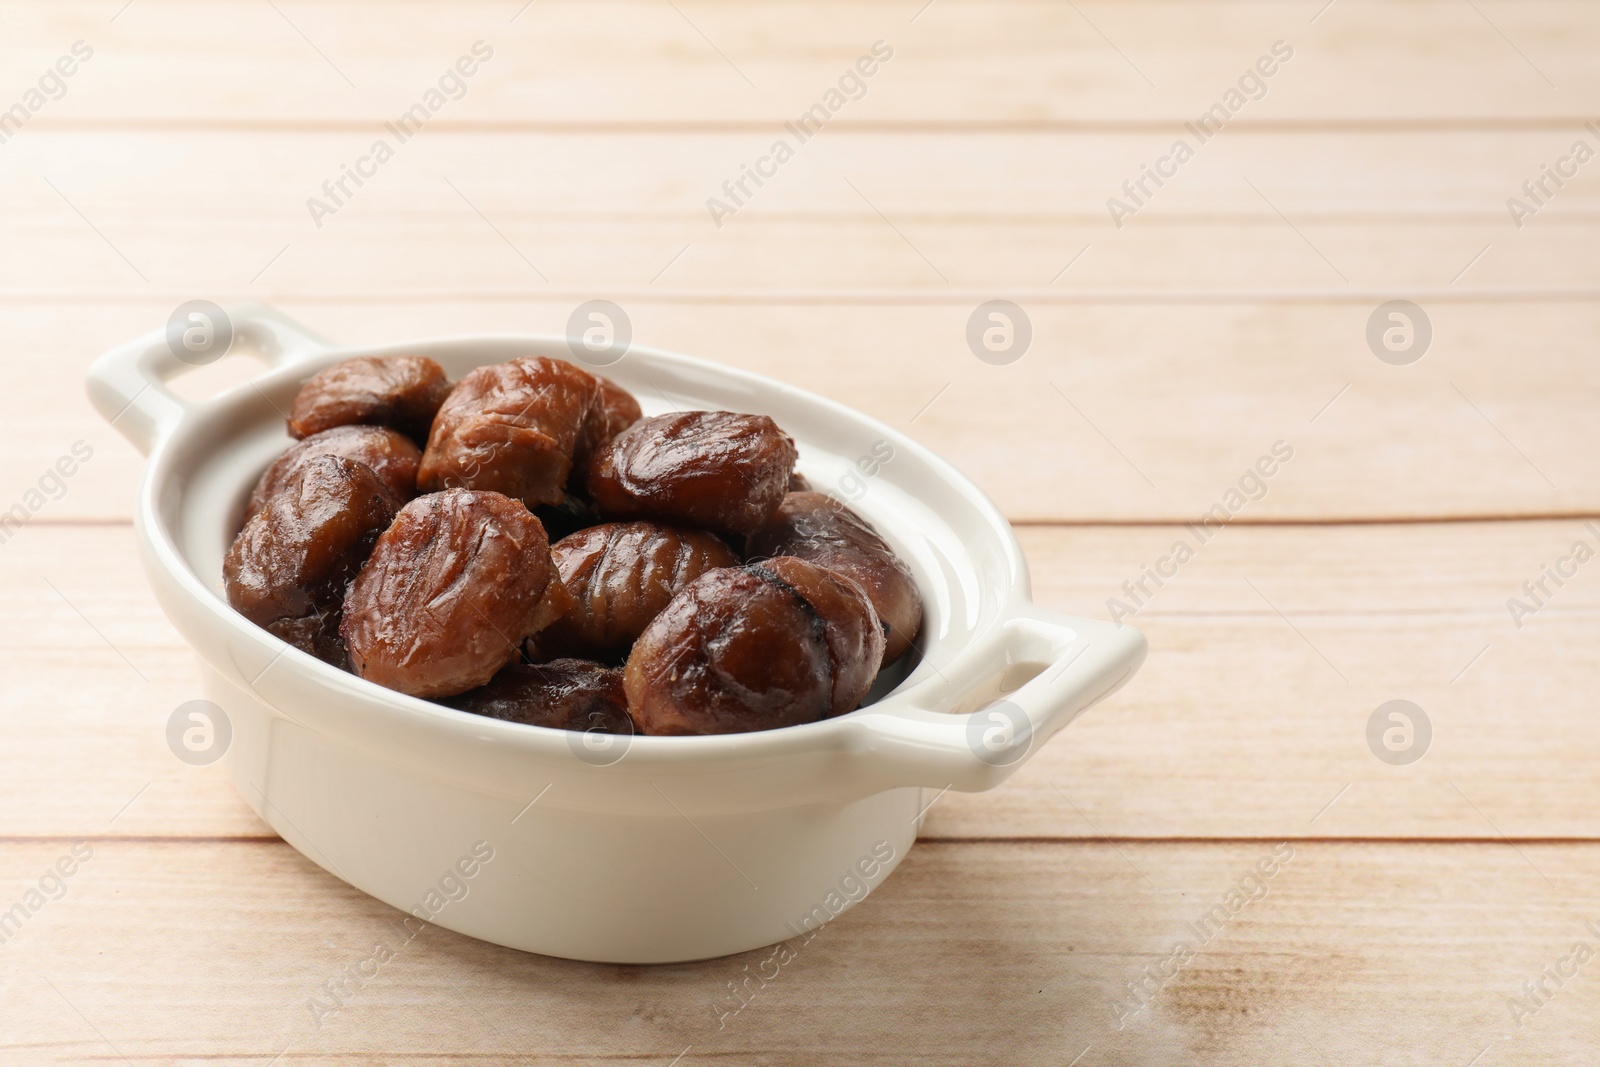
(696, 585)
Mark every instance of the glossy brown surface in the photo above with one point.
(621, 575)
(390, 454)
(734, 651)
(287, 570)
(451, 589)
(816, 527)
(716, 469)
(511, 428)
(745, 648)
(850, 625)
(401, 392)
(615, 409)
(564, 694)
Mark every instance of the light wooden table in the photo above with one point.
(1228, 313)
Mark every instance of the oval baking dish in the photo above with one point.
(625, 850)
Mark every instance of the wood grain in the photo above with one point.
(1162, 258)
(1116, 414)
(639, 63)
(1189, 340)
(175, 186)
(1244, 722)
(970, 953)
(1169, 353)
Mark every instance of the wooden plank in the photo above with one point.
(147, 188)
(1116, 413)
(1027, 62)
(1352, 948)
(1228, 314)
(1256, 332)
(1270, 652)
(1079, 259)
(1236, 727)
(93, 673)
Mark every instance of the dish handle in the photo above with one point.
(1083, 662)
(128, 387)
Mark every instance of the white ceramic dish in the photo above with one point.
(657, 848)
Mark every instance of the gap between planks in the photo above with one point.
(965, 216)
(908, 127)
(1065, 839)
(840, 298)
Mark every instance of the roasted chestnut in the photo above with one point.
(615, 409)
(440, 597)
(850, 625)
(401, 392)
(451, 589)
(511, 428)
(621, 575)
(287, 570)
(390, 454)
(719, 470)
(754, 648)
(565, 694)
(818, 528)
